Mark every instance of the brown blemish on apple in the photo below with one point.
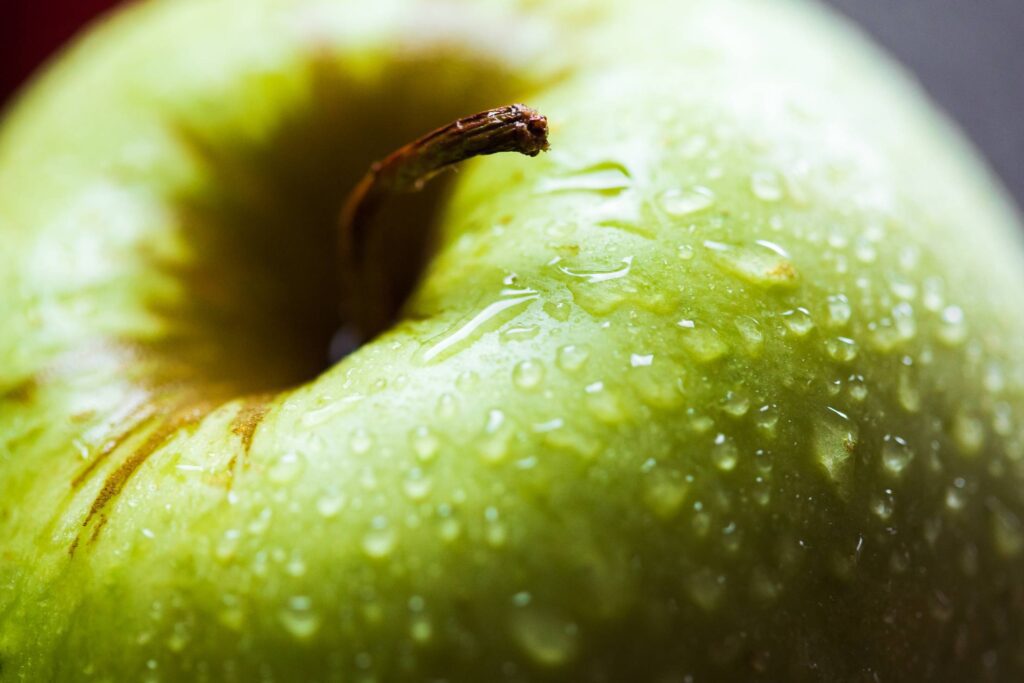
(118, 479)
(249, 417)
(783, 272)
(135, 421)
(22, 392)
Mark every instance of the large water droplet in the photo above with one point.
(834, 442)
(665, 493)
(703, 343)
(593, 275)
(496, 438)
(492, 315)
(841, 349)
(839, 310)
(679, 203)
(603, 403)
(424, 442)
(609, 177)
(751, 336)
(764, 263)
(799, 321)
(952, 326)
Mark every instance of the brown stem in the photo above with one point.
(513, 128)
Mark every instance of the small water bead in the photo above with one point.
(767, 419)
(520, 333)
(665, 493)
(380, 540)
(952, 326)
(956, 495)
(425, 443)
(603, 404)
(703, 343)
(299, 618)
(767, 186)
(572, 357)
(724, 453)
(904, 321)
(545, 637)
(896, 454)
(750, 333)
(969, 433)
(735, 404)
(839, 311)
(761, 491)
(907, 390)
(447, 406)
(361, 442)
(685, 252)
(330, 503)
(467, 380)
(641, 360)
(841, 349)
(595, 275)
(882, 506)
(706, 588)
(416, 484)
(679, 203)
(497, 435)
(799, 321)
(933, 297)
(228, 544)
(857, 388)
(528, 375)
(287, 468)
(1007, 530)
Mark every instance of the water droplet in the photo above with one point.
(766, 186)
(969, 433)
(735, 404)
(839, 311)
(857, 388)
(896, 454)
(933, 298)
(883, 505)
(705, 588)
(544, 637)
(841, 349)
(287, 468)
(685, 252)
(424, 442)
(528, 375)
(767, 419)
(764, 263)
(416, 484)
(952, 326)
(724, 453)
(421, 630)
(361, 442)
(521, 333)
(228, 544)
(603, 404)
(497, 435)
(703, 343)
(572, 357)
(799, 321)
(559, 310)
(607, 177)
(665, 493)
(685, 202)
(298, 617)
(330, 503)
(904, 321)
(835, 439)
(1007, 531)
(641, 360)
(449, 529)
(956, 496)
(593, 275)
(495, 532)
(907, 391)
(492, 315)
(380, 540)
(751, 336)
(447, 406)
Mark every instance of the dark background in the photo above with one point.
(968, 53)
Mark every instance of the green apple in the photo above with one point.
(728, 385)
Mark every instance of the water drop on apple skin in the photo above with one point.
(572, 357)
(680, 203)
(545, 637)
(528, 375)
(299, 619)
(379, 541)
(896, 455)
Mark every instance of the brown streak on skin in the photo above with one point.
(138, 419)
(118, 479)
(248, 419)
(22, 392)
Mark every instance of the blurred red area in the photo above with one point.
(32, 30)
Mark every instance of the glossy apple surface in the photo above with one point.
(727, 386)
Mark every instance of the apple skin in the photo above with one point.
(728, 386)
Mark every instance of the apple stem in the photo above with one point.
(512, 128)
